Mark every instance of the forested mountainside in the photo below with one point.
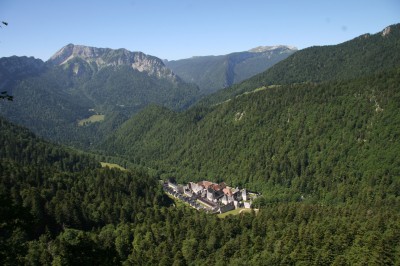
(79, 82)
(15, 68)
(321, 149)
(59, 208)
(213, 73)
(332, 142)
(48, 193)
(361, 56)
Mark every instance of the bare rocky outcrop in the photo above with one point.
(282, 48)
(104, 57)
(386, 31)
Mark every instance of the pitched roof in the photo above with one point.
(227, 191)
(205, 184)
(216, 187)
(222, 185)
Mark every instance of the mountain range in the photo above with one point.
(79, 82)
(212, 73)
(317, 135)
(364, 55)
(80, 85)
(274, 136)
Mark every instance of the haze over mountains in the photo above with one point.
(52, 97)
(327, 100)
(211, 73)
(360, 56)
(317, 134)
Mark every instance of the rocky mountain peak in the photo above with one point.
(87, 53)
(104, 57)
(262, 49)
(392, 29)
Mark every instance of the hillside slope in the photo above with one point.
(324, 155)
(306, 139)
(212, 73)
(332, 140)
(80, 81)
(50, 194)
(58, 207)
(361, 56)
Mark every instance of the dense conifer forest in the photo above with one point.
(362, 56)
(320, 146)
(51, 99)
(334, 141)
(59, 208)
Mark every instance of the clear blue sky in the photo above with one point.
(175, 29)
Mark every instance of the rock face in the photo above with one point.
(386, 31)
(103, 57)
(50, 97)
(275, 48)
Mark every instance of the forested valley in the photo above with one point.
(321, 147)
(58, 207)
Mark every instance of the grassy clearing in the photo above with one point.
(236, 212)
(92, 119)
(202, 204)
(112, 165)
(178, 203)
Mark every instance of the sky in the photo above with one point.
(177, 29)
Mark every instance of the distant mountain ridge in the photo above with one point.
(15, 68)
(261, 49)
(363, 55)
(317, 135)
(323, 121)
(104, 57)
(212, 73)
(80, 81)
